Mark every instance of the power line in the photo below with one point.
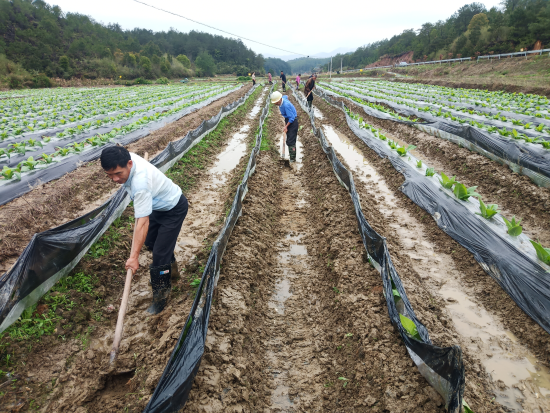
(220, 30)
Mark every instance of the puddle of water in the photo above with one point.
(498, 350)
(230, 157)
(317, 113)
(357, 162)
(257, 106)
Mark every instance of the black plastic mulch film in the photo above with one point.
(443, 368)
(175, 384)
(527, 159)
(521, 277)
(15, 188)
(52, 254)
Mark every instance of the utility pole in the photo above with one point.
(341, 65)
(330, 73)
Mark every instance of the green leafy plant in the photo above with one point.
(447, 182)
(47, 159)
(430, 171)
(463, 193)
(514, 227)
(27, 165)
(9, 173)
(403, 150)
(543, 254)
(392, 144)
(487, 211)
(410, 327)
(419, 164)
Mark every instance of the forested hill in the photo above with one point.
(471, 30)
(42, 38)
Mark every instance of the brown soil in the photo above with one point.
(77, 372)
(59, 201)
(482, 287)
(307, 312)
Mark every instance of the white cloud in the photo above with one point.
(320, 27)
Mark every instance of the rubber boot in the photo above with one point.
(175, 273)
(160, 282)
(292, 153)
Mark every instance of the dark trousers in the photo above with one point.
(253, 82)
(310, 100)
(284, 86)
(292, 133)
(164, 228)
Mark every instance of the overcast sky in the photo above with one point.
(324, 27)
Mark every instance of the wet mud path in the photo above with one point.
(508, 368)
(78, 378)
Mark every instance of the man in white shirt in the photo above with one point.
(159, 208)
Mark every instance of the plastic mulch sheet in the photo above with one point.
(443, 368)
(517, 271)
(173, 388)
(528, 159)
(52, 254)
(15, 188)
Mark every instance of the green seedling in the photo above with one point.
(392, 144)
(539, 128)
(487, 211)
(410, 327)
(466, 407)
(447, 182)
(514, 227)
(195, 283)
(9, 173)
(28, 165)
(348, 335)
(47, 159)
(545, 144)
(344, 380)
(419, 164)
(383, 137)
(543, 254)
(463, 193)
(403, 150)
(430, 171)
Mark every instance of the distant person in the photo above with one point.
(298, 81)
(308, 90)
(291, 121)
(253, 78)
(159, 210)
(269, 77)
(283, 79)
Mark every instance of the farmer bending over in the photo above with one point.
(291, 121)
(159, 207)
(308, 90)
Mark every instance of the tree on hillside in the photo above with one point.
(478, 21)
(184, 60)
(205, 64)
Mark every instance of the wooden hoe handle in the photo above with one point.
(121, 314)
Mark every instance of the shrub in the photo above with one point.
(205, 64)
(162, 81)
(41, 81)
(244, 78)
(64, 63)
(142, 81)
(15, 81)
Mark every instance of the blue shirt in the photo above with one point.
(287, 110)
(150, 189)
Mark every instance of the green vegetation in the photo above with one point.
(275, 66)
(447, 182)
(543, 254)
(487, 211)
(430, 171)
(463, 193)
(514, 227)
(471, 30)
(50, 43)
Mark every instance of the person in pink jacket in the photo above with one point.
(269, 77)
(298, 81)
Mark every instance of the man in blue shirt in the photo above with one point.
(291, 121)
(159, 208)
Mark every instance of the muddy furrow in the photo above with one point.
(82, 190)
(76, 375)
(500, 358)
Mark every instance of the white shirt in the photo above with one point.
(150, 189)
